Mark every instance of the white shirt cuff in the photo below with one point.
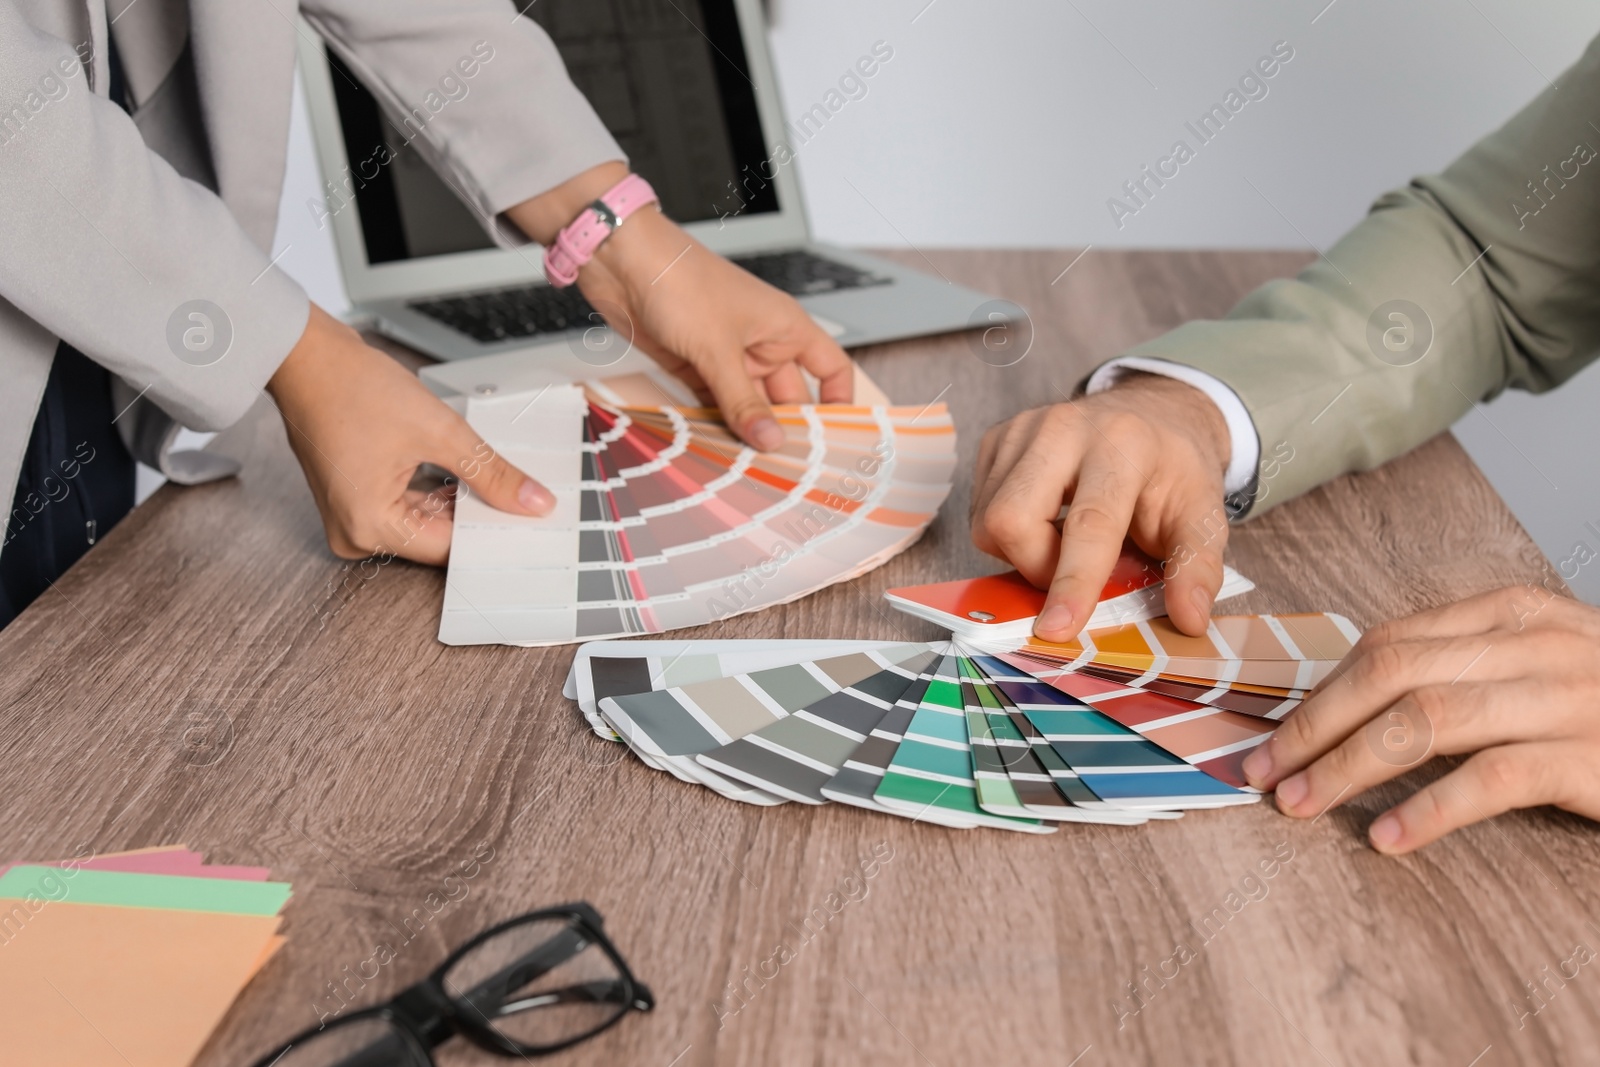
(1245, 450)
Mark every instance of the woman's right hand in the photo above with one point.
(361, 425)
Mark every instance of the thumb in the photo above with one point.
(501, 485)
(743, 407)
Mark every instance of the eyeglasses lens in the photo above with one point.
(539, 983)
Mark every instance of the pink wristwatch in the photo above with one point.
(577, 244)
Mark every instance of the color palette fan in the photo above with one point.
(129, 958)
(664, 519)
(1125, 724)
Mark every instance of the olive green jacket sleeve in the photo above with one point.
(1451, 289)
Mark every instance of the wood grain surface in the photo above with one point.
(341, 744)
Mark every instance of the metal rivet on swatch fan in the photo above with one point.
(981, 616)
(486, 390)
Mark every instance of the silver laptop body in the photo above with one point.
(416, 260)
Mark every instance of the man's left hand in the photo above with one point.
(1512, 677)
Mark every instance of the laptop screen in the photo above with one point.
(667, 77)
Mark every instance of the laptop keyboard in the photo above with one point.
(802, 273)
(501, 314)
(530, 310)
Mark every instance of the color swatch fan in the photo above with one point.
(1125, 724)
(663, 519)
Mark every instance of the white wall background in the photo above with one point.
(1011, 122)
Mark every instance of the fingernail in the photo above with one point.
(766, 433)
(1055, 622)
(535, 497)
(1291, 791)
(1385, 832)
(1257, 766)
(1202, 600)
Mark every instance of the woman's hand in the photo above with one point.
(1512, 676)
(735, 340)
(361, 425)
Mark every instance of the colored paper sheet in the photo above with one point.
(91, 985)
(158, 857)
(144, 890)
(161, 861)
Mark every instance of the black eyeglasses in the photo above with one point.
(527, 987)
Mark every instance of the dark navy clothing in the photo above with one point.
(76, 482)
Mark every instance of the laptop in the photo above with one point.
(687, 89)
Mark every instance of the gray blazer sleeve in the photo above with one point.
(1462, 284)
(104, 245)
(481, 94)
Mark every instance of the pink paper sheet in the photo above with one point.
(176, 860)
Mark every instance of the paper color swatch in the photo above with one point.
(1002, 607)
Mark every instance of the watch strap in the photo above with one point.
(577, 244)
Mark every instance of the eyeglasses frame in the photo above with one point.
(427, 1014)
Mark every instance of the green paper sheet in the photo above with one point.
(172, 892)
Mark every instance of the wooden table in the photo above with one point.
(363, 761)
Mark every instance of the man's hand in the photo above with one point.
(1513, 676)
(1145, 458)
(735, 340)
(361, 425)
